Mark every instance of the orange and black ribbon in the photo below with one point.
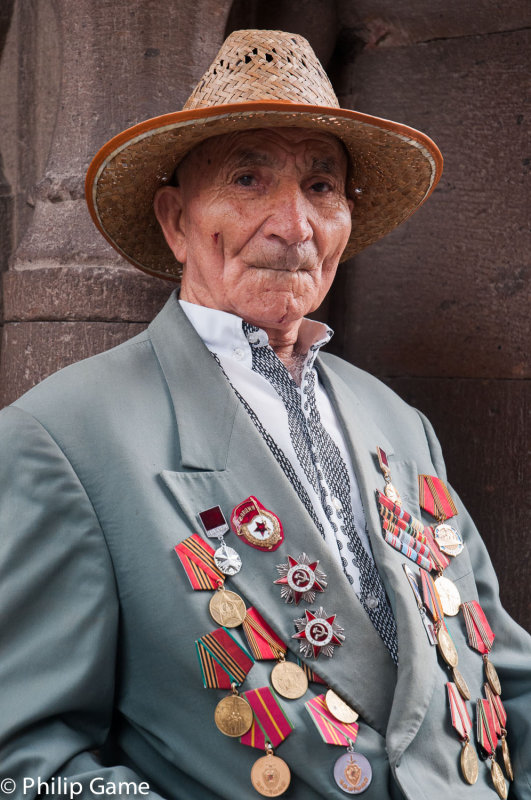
(197, 558)
(222, 659)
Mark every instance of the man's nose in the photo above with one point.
(287, 219)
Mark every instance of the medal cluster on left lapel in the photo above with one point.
(256, 716)
(431, 548)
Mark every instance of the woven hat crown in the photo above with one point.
(264, 65)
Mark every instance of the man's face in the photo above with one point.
(262, 222)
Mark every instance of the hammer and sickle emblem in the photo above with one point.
(319, 632)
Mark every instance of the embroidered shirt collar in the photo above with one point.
(223, 333)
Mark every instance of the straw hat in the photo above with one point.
(258, 79)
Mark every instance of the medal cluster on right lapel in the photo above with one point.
(431, 548)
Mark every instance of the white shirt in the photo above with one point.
(223, 335)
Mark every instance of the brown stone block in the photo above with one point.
(391, 23)
(447, 293)
(87, 293)
(483, 427)
(33, 350)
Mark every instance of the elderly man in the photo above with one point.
(348, 636)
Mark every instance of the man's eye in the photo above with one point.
(321, 187)
(245, 180)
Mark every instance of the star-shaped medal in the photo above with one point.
(300, 580)
(318, 633)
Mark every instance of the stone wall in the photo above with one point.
(438, 309)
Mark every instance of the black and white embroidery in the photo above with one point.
(326, 471)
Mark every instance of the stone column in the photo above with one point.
(87, 70)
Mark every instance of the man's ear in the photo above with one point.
(168, 207)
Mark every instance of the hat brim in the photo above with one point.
(393, 170)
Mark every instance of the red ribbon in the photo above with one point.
(460, 717)
(480, 635)
(270, 723)
(435, 498)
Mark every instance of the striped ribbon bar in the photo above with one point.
(312, 676)
(332, 731)
(435, 498)
(460, 717)
(440, 560)
(398, 544)
(431, 597)
(487, 736)
(422, 549)
(262, 639)
(480, 635)
(197, 558)
(223, 661)
(410, 524)
(497, 704)
(270, 723)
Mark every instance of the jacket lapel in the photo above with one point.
(230, 461)
(416, 675)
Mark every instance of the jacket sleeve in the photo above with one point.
(511, 652)
(58, 623)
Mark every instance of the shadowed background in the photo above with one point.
(438, 309)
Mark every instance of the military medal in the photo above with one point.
(318, 633)
(224, 664)
(287, 678)
(501, 714)
(390, 490)
(270, 775)
(197, 557)
(428, 625)
(227, 608)
(352, 771)
(463, 725)
(256, 525)
(233, 715)
(339, 709)
(215, 527)
(445, 645)
(404, 533)
(481, 638)
(488, 739)
(449, 595)
(300, 579)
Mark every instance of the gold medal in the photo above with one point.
(461, 684)
(507, 759)
(233, 715)
(492, 675)
(449, 596)
(469, 763)
(498, 780)
(447, 647)
(270, 775)
(227, 608)
(339, 709)
(289, 680)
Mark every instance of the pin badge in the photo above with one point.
(300, 579)
(215, 526)
(256, 525)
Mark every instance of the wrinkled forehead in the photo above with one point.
(268, 147)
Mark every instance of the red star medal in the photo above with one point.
(318, 633)
(300, 580)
